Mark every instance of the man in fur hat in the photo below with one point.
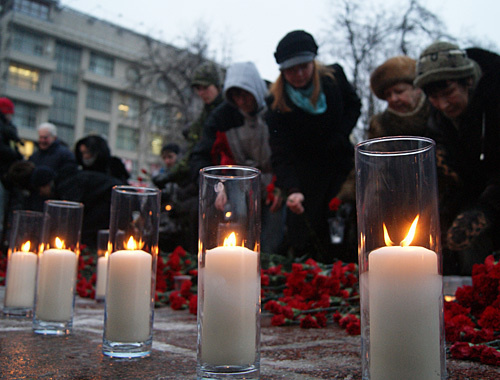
(407, 109)
(463, 87)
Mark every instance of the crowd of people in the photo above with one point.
(297, 132)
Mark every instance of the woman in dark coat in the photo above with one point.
(312, 111)
(92, 153)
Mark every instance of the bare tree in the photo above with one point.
(362, 36)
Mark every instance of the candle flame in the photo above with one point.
(132, 244)
(228, 214)
(59, 243)
(230, 241)
(26, 246)
(409, 237)
(387, 239)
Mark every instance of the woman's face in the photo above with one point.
(300, 75)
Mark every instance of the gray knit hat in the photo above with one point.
(443, 61)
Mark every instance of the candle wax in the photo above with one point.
(128, 297)
(404, 303)
(231, 296)
(102, 269)
(21, 276)
(56, 285)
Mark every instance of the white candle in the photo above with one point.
(231, 294)
(56, 285)
(404, 303)
(21, 276)
(102, 269)
(128, 297)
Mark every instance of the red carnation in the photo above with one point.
(334, 204)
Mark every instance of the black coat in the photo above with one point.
(473, 151)
(312, 154)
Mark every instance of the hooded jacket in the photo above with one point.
(247, 134)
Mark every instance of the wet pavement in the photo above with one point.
(288, 353)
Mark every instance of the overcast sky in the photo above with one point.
(253, 28)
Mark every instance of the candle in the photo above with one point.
(231, 294)
(404, 303)
(56, 285)
(128, 297)
(102, 269)
(21, 276)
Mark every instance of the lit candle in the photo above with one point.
(231, 293)
(56, 283)
(21, 276)
(128, 297)
(404, 301)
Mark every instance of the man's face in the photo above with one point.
(402, 97)
(45, 139)
(243, 99)
(451, 100)
(206, 93)
(169, 158)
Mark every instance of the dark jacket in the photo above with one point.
(312, 154)
(103, 162)
(472, 149)
(57, 157)
(8, 152)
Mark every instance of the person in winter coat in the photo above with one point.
(236, 133)
(463, 87)
(91, 188)
(92, 153)
(52, 152)
(312, 111)
(9, 154)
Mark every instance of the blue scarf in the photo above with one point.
(300, 97)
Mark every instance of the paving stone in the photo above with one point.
(289, 353)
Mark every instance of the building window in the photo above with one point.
(27, 42)
(65, 133)
(96, 127)
(63, 110)
(32, 8)
(25, 115)
(127, 138)
(24, 77)
(101, 64)
(129, 107)
(99, 98)
(156, 144)
(160, 116)
(68, 66)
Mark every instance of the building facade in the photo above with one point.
(77, 72)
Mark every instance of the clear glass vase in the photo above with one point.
(229, 273)
(399, 260)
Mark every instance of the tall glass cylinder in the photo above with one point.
(131, 280)
(399, 260)
(102, 264)
(229, 273)
(22, 259)
(57, 268)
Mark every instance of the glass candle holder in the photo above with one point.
(57, 268)
(22, 258)
(102, 264)
(130, 291)
(399, 260)
(229, 273)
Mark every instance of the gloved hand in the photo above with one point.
(465, 228)
(161, 180)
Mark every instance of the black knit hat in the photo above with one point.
(295, 48)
